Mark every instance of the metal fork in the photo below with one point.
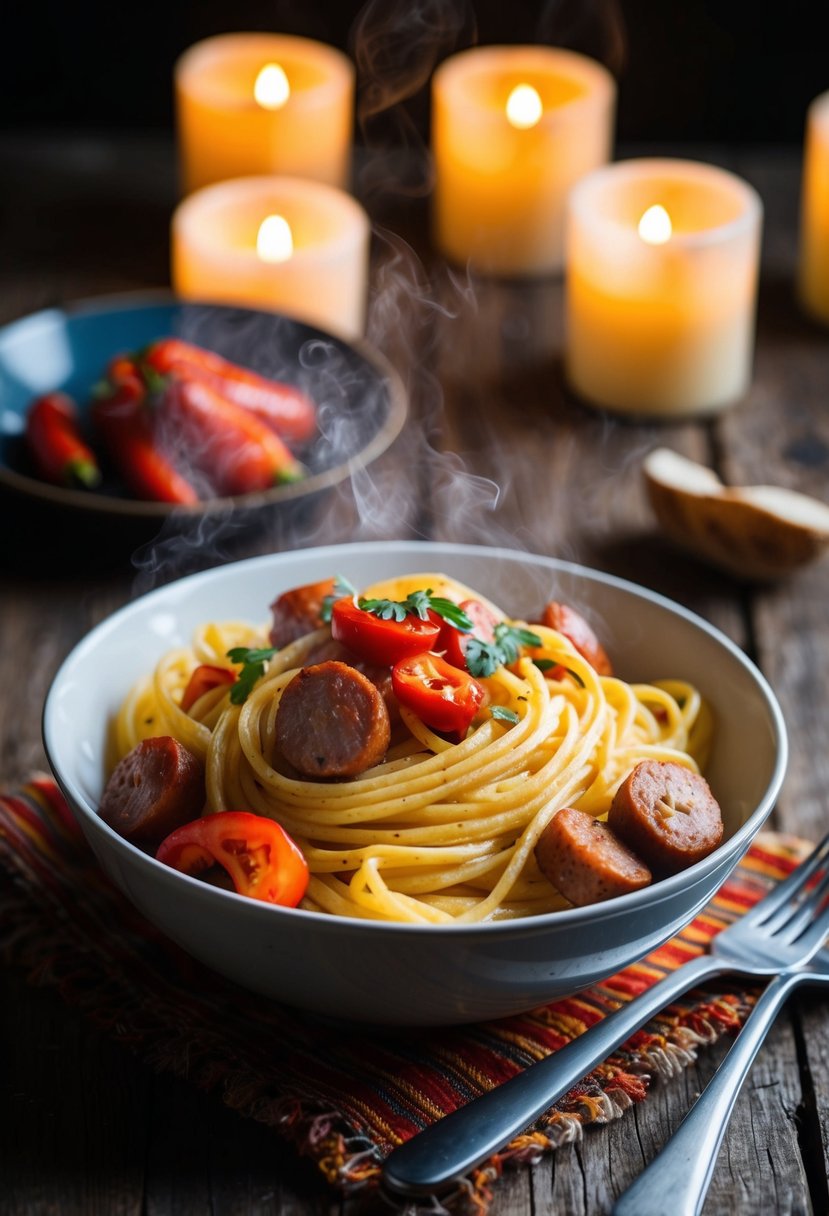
(684, 1167)
(777, 935)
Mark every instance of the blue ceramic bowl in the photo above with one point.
(359, 398)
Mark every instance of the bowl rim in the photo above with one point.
(109, 505)
(732, 848)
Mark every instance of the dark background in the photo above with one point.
(688, 70)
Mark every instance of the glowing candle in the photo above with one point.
(250, 104)
(512, 129)
(660, 287)
(813, 270)
(279, 243)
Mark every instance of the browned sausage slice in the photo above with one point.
(380, 677)
(298, 611)
(154, 789)
(586, 861)
(332, 721)
(575, 628)
(667, 814)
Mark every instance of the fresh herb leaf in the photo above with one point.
(253, 668)
(545, 664)
(452, 613)
(419, 603)
(483, 658)
(503, 714)
(342, 588)
(385, 610)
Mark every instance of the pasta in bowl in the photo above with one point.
(430, 898)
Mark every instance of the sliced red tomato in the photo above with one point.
(453, 642)
(259, 855)
(379, 641)
(205, 677)
(441, 695)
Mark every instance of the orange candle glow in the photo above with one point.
(250, 104)
(660, 296)
(278, 243)
(512, 129)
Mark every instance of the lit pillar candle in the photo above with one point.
(512, 129)
(278, 243)
(813, 277)
(660, 287)
(249, 104)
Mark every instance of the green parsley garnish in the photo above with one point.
(342, 588)
(253, 667)
(503, 714)
(483, 658)
(418, 603)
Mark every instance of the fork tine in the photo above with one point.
(788, 890)
(815, 934)
(803, 914)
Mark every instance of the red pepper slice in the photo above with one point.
(259, 855)
(205, 677)
(453, 642)
(126, 426)
(54, 440)
(379, 641)
(441, 695)
(287, 410)
(235, 451)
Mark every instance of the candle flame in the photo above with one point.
(655, 226)
(271, 89)
(524, 108)
(275, 241)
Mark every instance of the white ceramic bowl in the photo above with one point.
(402, 974)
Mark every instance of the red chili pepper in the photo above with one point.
(441, 695)
(126, 426)
(259, 855)
(54, 440)
(285, 409)
(237, 452)
(382, 641)
(205, 677)
(453, 642)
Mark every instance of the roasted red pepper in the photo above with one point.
(54, 440)
(285, 409)
(260, 857)
(126, 425)
(230, 446)
(205, 677)
(441, 695)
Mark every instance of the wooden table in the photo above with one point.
(495, 452)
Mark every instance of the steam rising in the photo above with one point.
(437, 325)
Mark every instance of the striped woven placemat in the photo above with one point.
(344, 1099)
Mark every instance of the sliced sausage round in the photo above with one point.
(298, 611)
(155, 788)
(331, 649)
(575, 628)
(667, 814)
(586, 861)
(332, 721)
